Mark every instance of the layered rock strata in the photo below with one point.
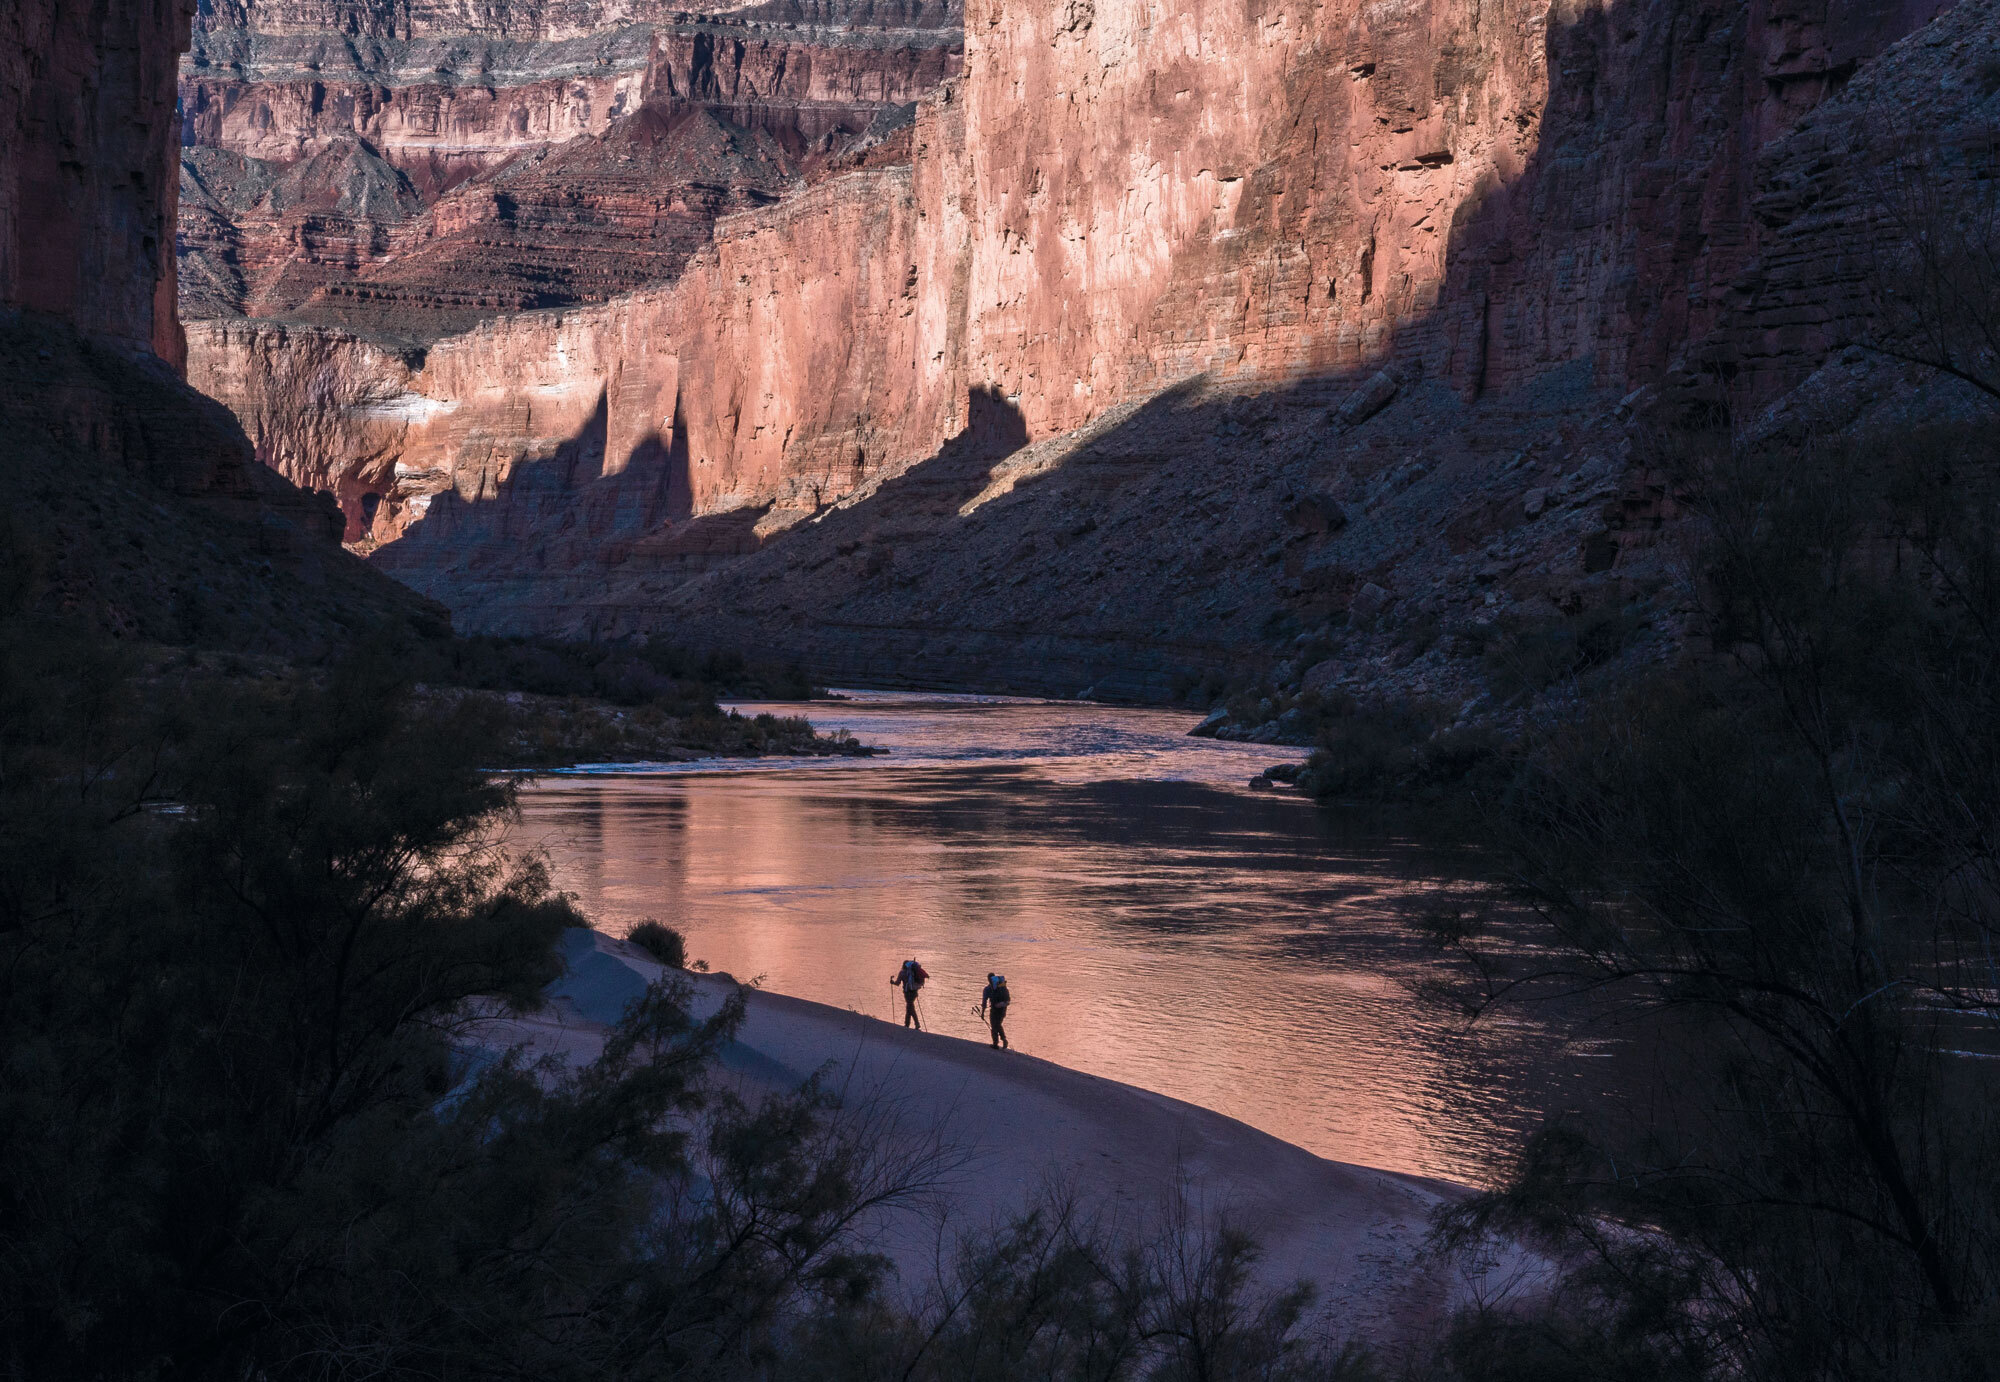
(1500, 218)
(410, 172)
(552, 424)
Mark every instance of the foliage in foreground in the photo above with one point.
(241, 934)
(247, 929)
(1773, 874)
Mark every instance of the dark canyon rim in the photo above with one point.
(1159, 922)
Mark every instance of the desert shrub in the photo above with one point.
(661, 941)
(1400, 749)
(246, 925)
(1057, 1293)
(1364, 751)
(1457, 754)
(1529, 656)
(1774, 871)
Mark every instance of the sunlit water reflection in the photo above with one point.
(1159, 923)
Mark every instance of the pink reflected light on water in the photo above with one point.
(1158, 923)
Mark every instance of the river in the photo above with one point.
(1158, 921)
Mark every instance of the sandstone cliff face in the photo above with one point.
(1515, 209)
(410, 171)
(1478, 191)
(776, 417)
(87, 182)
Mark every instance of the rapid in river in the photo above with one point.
(1158, 921)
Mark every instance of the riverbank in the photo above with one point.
(543, 733)
(1013, 1125)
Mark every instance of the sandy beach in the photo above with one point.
(1011, 1126)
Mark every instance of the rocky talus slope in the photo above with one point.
(1168, 340)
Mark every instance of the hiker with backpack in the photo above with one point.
(993, 1001)
(911, 978)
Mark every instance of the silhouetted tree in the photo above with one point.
(1773, 870)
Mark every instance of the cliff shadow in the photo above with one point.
(915, 497)
(561, 512)
(564, 515)
(960, 469)
(1474, 467)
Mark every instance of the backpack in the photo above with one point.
(912, 970)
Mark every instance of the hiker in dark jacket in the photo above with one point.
(993, 1001)
(911, 978)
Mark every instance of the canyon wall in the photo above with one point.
(133, 503)
(778, 415)
(547, 19)
(1125, 194)
(1480, 191)
(87, 176)
(1512, 207)
(412, 171)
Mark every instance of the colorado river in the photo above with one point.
(1159, 922)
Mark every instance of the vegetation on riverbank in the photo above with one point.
(248, 927)
(546, 704)
(526, 731)
(522, 728)
(1771, 874)
(624, 674)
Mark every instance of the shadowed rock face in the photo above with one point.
(1490, 220)
(412, 170)
(86, 167)
(130, 501)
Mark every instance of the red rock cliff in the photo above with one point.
(87, 164)
(1274, 188)
(410, 171)
(1119, 197)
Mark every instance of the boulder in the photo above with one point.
(1211, 722)
(1368, 602)
(1315, 513)
(1370, 399)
